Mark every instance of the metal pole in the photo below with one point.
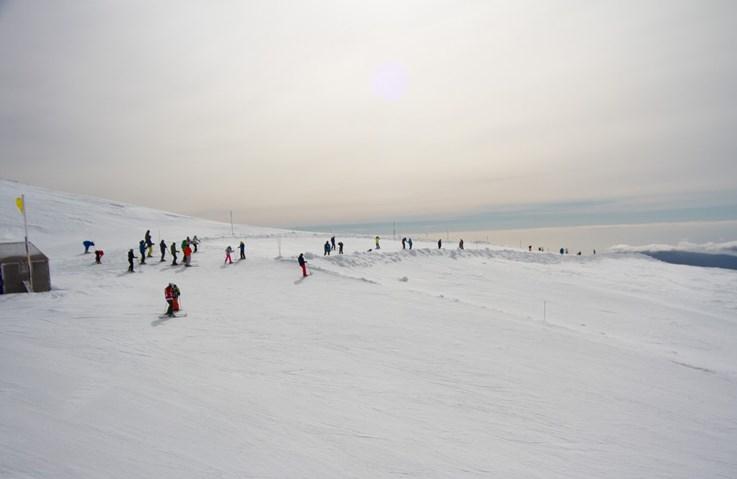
(545, 310)
(278, 241)
(28, 251)
(232, 231)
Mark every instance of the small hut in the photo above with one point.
(14, 274)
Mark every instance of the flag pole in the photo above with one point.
(28, 251)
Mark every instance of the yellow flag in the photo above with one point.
(19, 204)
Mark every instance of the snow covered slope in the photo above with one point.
(481, 363)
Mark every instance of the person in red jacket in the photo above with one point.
(170, 298)
(187, 255)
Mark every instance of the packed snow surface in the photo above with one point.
(487, 362)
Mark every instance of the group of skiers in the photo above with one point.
(146, 249)
(331, 246)
(229, 251)
(98, 252)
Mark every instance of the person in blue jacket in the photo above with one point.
(87, 245)
(142, 248)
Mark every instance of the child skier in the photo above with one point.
(302, 264)
(228, 259)
(142, 249)
(326, 249)
(174, 253)
(87, 245)
(340, 247)
(377, 242)
(195, 242)
(460, 244)
(187, 251)
(169, 296)
(242, 247)
(98, 256)
(162, 247)
(130, 260)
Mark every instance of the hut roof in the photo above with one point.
(18, 250)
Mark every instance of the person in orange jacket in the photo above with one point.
(188, 255)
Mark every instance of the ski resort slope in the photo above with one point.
(486, 362)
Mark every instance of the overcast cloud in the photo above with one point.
(309, 112)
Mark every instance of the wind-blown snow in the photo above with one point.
(487, 362)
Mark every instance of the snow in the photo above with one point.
(488, 362)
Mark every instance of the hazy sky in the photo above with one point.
(308, 112)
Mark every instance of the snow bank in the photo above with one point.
(484, 363)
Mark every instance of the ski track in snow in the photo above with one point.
(487, 362)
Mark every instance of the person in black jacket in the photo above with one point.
(130, 260)
(302, 264)
(142, 249)
(149, 243)
(242, 247)
(173, 252)
(162, 247)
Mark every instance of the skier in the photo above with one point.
(149, 243)
(562, 251)
(187, 255)
(326, 249)
(440, 243)
(594, 251)
(174, 253)
(177, 294)
(185, 245)
(409, 242)
(332, 243)
(302, 264)
(162, 247)
(195, 242)
(242, 247)
(404, 243)
(169, 296)
(142, 249)
(87, 245)
(340, 247)
(377, 242)
(130, 260)
(529, 248)
(98, 256)
(566, 250)
(228, 251)
(460, 244)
